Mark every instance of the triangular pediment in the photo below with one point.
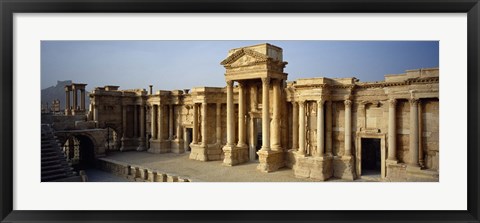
(244, 57)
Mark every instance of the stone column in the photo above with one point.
(301, 128)
(179, 126)
(320, 129)
(241, 115)
(348, 127)
(421, 160)
(230, 115)
(328, 140)
(141, 146)
(170, 122)
(135, 121)
(82, 99)
(67, 101)
(392, 130)
(195, 124)
(154, 121)
(204, 124)
(265, 114)
(276, 115)
(253, 98)
(124, 121)
(413, 132)
(142, 121)
(75, 99)
(294, 125)
(218, 122)
(160, 123)
(95, 112)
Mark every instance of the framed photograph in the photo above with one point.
(131, 94)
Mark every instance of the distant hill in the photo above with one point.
(58, 92)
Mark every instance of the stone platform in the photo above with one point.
(212, 171)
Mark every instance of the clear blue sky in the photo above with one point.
(172, 65)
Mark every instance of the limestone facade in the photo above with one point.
(319, 127)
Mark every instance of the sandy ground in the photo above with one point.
(212, 171)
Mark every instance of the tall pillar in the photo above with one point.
(230, 115)
(179, 126)
(218, 122)
(160, 123)
(195, 124)
(124, 127)
(320, 129)
(141, 137)
(328, 140)
(154, 121)
(276, 115)
(67, 101)
(82, 99)
(241, 115)
(421, 160)
(392, 130)
(75, 99)
(170, 122)
(95, 112)
(413, 132)
(124, 121)
(135, 121)
(204, 124)
(265, 114)
(295, 125)
(348, 127)
(301, 128)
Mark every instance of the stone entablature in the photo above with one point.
(316, 126)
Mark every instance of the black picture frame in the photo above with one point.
(9, 7)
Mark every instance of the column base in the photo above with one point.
(234, 155)
(319, 168)
(343, 167)
(178, 146)
(141, 146)
(270, 160)
(128, 144)
(159, 146)
(199, 152)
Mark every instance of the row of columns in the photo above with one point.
(157, 122)
(414, 132)
(203, 126)
(138, 120)
(299, 130)
(74, 88)
(299, 139)
(267, 142)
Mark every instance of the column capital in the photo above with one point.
(229, 83)
(266, 80)
(392, 101)
(320, 101)
(347, 102)
(413, 101)
(301, 103)
(294, 103)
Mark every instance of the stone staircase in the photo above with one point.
(54, 163)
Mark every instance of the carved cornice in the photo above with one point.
(427, 80)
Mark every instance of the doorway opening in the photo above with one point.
(188, 138)
(258, 135)
(371, 158)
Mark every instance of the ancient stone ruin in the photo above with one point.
(318, 127)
